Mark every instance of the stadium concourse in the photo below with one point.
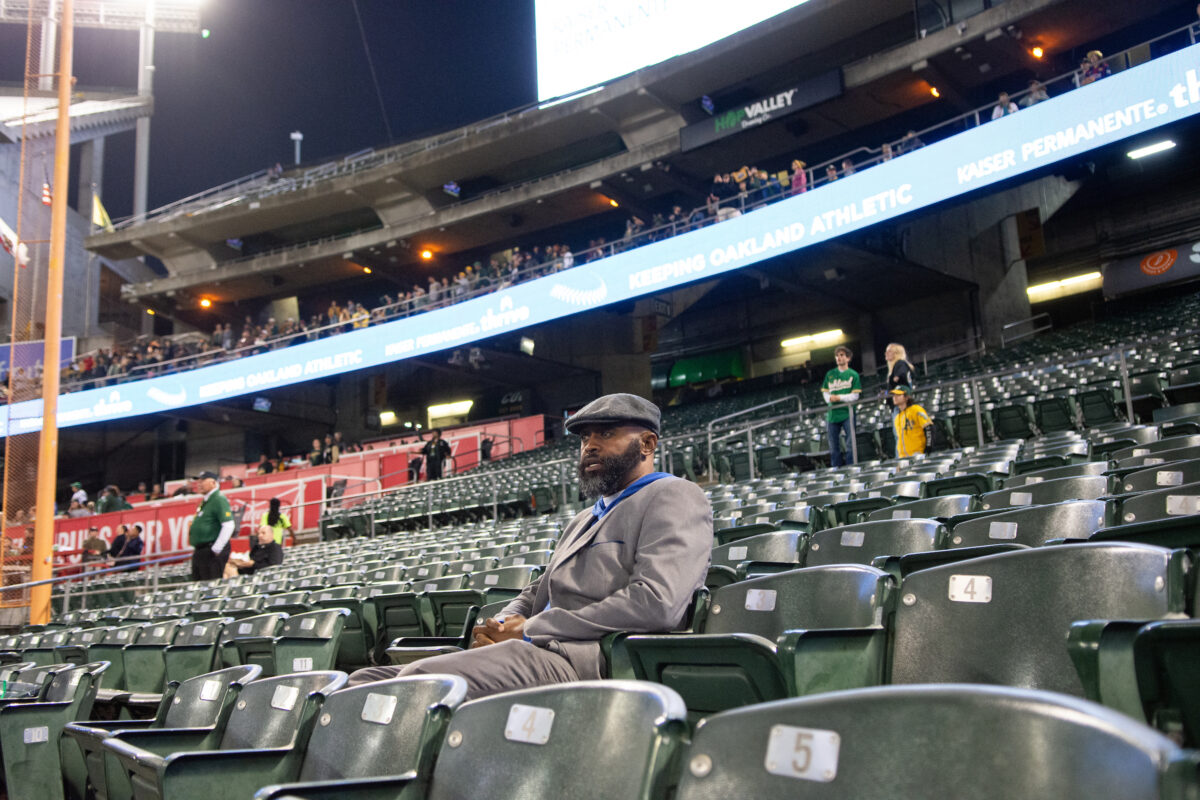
(1010, 613)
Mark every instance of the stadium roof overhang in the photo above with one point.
(621, 142)
(92, 115)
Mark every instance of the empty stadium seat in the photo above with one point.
(271, 723)
(1090, 487)
(1033, 526)
(915, 742)
(863, 542)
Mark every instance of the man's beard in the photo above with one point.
(613, 472)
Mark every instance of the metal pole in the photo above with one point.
(429, 504)
(495, 501)
(853, 436)
(1128, 387)
(750, 450)
(562, 480)
(67, 596)
(141, 158)
(47, 477)
(371, 524)
(978, 413)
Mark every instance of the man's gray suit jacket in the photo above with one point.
(634, 569)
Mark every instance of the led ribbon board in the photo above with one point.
(1137, 100)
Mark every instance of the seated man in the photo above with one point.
(629, 563)
(265, 552)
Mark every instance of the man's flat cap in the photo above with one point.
(614, 409)
(208, 474)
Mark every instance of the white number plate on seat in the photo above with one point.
(529, 724)
(806, 753)
(210, 690)
(379, 708)
(971, 588)
(760, 599)
(302, 664)
(738, 553)
(38, 735)
(853, 538)
(1002, 530)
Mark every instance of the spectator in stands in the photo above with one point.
(799, 177)
(1004, 106)
(485, 448)
(913, 426)
(316, 456)
(265, 552)
(78, 495)
(435, 452)
(75, 510)
(886, 153)
(899, 373)
(95, 549)
(841, 385)
(156, 492)
(111, 500)
(330, 452)
(631, 562)
(276, 520)
(211, 530)
(1036, 94)
(126, 549)
(1095, 69)
(831, 173)
(265, 466)
(847, 167)
(909, 143)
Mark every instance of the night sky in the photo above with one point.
(224, 106)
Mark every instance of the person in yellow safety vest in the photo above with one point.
(277, 521)
(913, 425)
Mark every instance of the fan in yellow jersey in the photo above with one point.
(914, 427)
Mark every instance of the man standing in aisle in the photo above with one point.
(436, 451)
(841, 385)
(211, 530)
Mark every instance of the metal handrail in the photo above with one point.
(1038, 327)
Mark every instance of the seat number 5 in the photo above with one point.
(805, 753)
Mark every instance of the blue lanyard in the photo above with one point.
(599, 509)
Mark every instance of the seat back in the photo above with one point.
(205, 631)
(842, 596)
(562, 741)
(1053, 473)
(930, 741)
(1004, 618)
(244, 606)
(1162, 476)
(199, 701)
(863, 542)
(943, 507)
(778, 546)
(1174, 501)
(324, 623)
(514, 578)
(383, 728)
(1034, 526)
(270, 712)
(1087, 487)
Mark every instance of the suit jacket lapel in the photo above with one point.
(578, 541)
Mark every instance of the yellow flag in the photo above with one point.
(99, 215)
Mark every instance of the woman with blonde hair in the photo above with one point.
(900, 373)
(799, 177)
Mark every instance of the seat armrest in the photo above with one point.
(830, 659)
(240, 772)
(388, 787)
(1102, 652)
(160, 741)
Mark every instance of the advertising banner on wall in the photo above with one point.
(762, 110)
(1129, 103)
(1151, 270)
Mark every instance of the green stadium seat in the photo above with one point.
(776, 547)
(305, 643)
(202, 702)
(602, 739)
(29, 732)
(1088, 487)
(1033, 526)
(1161, 504)
(910, 742)
(386, 728)
(1164, 476)
(1144, 669)
(246, 628)
(195, 649)
(756, 641)
(293, 602)
(267, 731)
(354, 648)
(863, 542)
(1003, 618)
(1028, 478)
(942, 507)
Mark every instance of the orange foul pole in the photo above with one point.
(47, 475)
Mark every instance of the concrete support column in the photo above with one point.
(91, 174)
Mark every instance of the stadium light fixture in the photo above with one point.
(387, 417)
(1151, 149)
(814, 339)
(150, 311)
(205, 302)
(1037, 52)
(1076, 284)
(933, 90)
(456, 409)
(366, 270)
(613, 203)
(426, 255)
